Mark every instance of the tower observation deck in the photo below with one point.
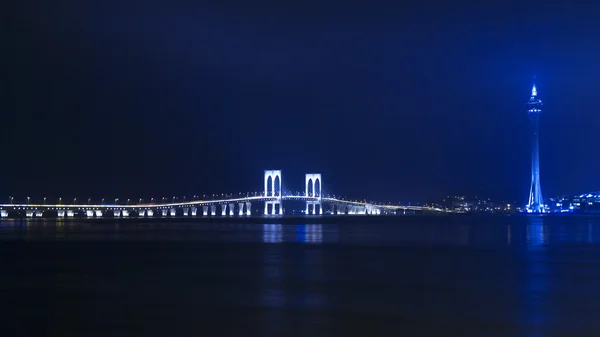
(534, 109)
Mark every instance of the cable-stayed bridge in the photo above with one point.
(272, 197)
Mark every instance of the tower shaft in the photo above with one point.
(535, 203)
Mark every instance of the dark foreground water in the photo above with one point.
(405, 276)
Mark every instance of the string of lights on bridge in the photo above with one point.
(230, 203)
(175, 199)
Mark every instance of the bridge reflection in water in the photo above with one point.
(310, 234)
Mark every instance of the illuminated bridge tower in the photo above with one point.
(273, 190)
(313, 183)
(534, 109)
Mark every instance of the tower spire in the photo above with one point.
(533, 90)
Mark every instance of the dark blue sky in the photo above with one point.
(128, 98)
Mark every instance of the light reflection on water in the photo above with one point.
(536, 278)
(536, 231)
(533, 232)
(272, 233)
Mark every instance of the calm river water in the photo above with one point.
(400, 276)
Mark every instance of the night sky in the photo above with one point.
(405, 103)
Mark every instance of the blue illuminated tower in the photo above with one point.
(534, 109)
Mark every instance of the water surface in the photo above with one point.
(400, 276)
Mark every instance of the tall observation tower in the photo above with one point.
(534, 109)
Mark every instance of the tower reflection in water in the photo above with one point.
(536, 312)
(536, 232)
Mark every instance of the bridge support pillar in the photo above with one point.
(89, 213)
(205, 210)
(231, 212)
(60, 213)
(248, 208)
(185, 211)
(173, 212)
(3, 213)
(70, 213)
(29, 213)
(274, 210)
(194, 211)
(98, 213)
(311, 207)
(163, 212)
(213, 210)
(224, 210)
(150, 213)
(241, 209)
(39, 213)
(141, 213)
(125, 213)
(116, 213)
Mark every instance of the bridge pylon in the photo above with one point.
(273, 190)
(313, 183)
